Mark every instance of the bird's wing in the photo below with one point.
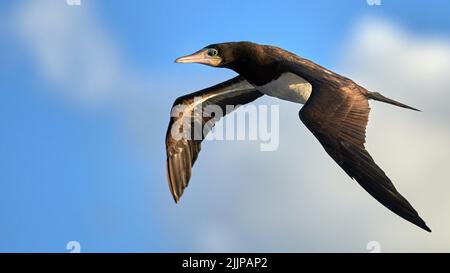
(192, 117)
(337, 114)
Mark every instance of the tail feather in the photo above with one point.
(377, 96)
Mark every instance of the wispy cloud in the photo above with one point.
(79, 59)
(71, 50)
(410, 66)
(412, 147)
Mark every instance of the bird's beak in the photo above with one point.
(200, 57)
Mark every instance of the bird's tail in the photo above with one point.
(377, 96)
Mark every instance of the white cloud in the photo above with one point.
(412, 67)
(79, 60)
(71, 50)
(412, 147)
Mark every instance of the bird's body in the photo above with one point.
(288, 87)
(335, 110)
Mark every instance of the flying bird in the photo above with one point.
(335, 110)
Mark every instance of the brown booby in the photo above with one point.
(335, 110)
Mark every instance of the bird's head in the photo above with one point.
(219, 55)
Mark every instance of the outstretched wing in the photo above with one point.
(192, 117)
(337, 115)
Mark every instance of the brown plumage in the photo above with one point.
(336, 112)
(182, 153)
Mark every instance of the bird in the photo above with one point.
(335, 109)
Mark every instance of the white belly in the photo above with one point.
(288, 87)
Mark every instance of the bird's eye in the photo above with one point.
(212, 52)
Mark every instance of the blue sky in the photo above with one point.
(84, 160)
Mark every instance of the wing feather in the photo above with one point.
(337, 114)
(189, 125)
(341, 130)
